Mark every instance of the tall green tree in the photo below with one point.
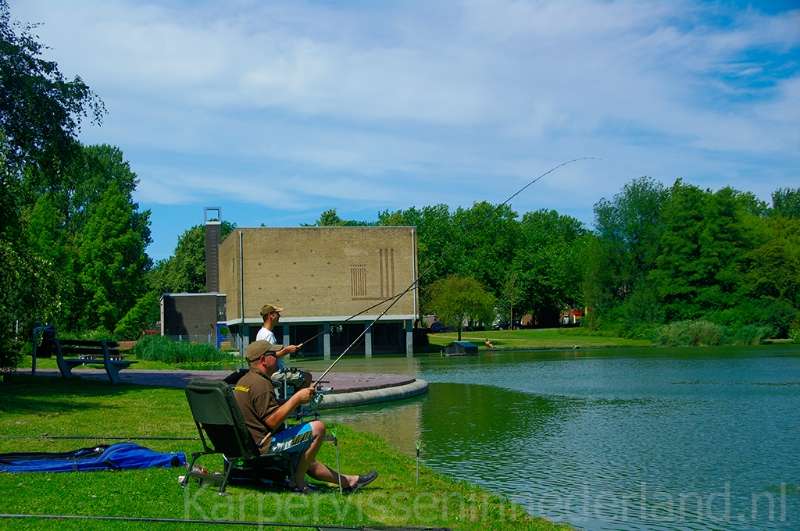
(112, 259)
(55, 223)
(628, 230)
(679, 273)
(486, 236)
(40, 113)
(457, 299)
(547, 263)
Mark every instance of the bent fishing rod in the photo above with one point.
(415, 282)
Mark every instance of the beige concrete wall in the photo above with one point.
(229, 274)
(320, 273)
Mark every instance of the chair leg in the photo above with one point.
(227, 467)
(189, 474)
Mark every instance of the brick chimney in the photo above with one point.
(213, 224)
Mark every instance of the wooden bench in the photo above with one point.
(71, 353)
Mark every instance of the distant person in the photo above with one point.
(265, 417)
(271, 316)
(488, 344)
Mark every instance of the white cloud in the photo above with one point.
(424, 102)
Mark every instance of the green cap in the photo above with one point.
(256, 349)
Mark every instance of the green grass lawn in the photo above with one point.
(30, 407)
(539, 338)
(50, 363)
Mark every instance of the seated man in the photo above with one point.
(264, 418)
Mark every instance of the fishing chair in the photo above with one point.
(223, 431)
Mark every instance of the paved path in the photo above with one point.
(349, 388)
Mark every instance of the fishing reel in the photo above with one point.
(312, 407)
(319, 395)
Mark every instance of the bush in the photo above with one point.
(774, 314)
(98, 334)
(143, 315)
(690, 333)
(794, 333)
(158, 348)
(748, 335)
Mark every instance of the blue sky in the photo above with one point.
(275, 111)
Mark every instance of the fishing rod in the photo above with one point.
(101, 437)
(548, 172)
(428, 269)
(512, 196)
(366, 329)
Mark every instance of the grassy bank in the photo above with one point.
(31, 407)
(539, 338)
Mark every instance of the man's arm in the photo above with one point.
(288, 349)
(279, 415)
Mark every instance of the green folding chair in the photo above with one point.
(223, 431)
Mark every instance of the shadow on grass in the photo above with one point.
(28, 394)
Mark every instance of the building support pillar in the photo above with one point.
(368, 341)
(286, 340)
(409, 338)
(326, 341)
(244, 338)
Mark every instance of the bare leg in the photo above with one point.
(323, 472)
(317, 470)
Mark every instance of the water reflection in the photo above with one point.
(631, 441)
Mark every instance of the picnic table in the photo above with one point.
(71, 353)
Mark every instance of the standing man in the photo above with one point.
(271, 316)
(264, 418)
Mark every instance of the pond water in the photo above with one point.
(611, 439)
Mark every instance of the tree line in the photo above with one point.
(656, 255)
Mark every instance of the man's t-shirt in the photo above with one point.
(265, 334)
(257, 401)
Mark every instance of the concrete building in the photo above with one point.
(322, 276)
(195, 316)
(192, 316)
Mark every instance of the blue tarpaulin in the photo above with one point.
(120, 456)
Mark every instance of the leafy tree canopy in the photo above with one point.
(457, 299)
(329, 218)
(786, 202)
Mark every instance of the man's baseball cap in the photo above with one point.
(256, 349)
(269, 308)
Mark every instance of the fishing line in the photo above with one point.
(101, 437)
(366, 329)
(428, 269)
(365, 310)
(548, 172)
(144, 519)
